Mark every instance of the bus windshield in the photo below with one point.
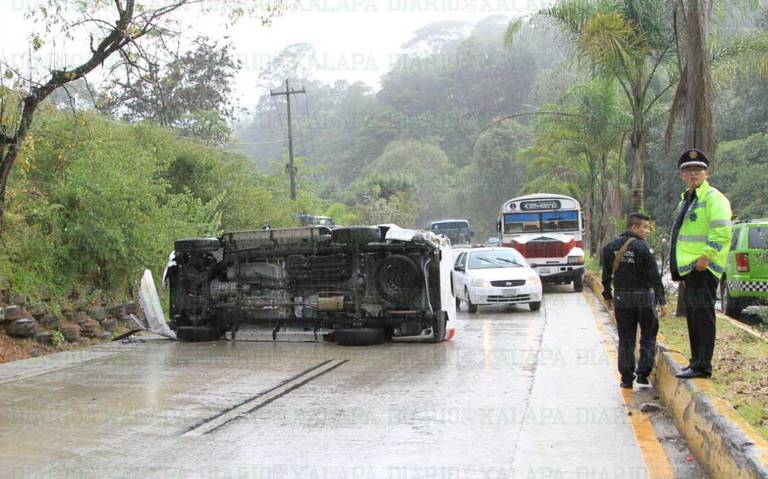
(544, 221)
(560, 221)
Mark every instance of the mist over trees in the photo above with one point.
(425, 122)
(111, 174)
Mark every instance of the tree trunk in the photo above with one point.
(601, 225)
(699, 117)
(11, 151)
(7, 158)
(637, 162)
(699, 96)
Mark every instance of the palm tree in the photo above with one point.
(577, 143)
(629, 41)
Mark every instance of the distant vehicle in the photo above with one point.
(745, 280)
(495, 276)
(458, 231)
(493, 241)
(315, 220)
(547, 230)
(362, 285)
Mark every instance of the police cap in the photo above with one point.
(693, 157)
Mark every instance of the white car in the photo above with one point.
(495, 276)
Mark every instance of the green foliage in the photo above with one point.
(742, 173)
(57, 339)
(94, 202)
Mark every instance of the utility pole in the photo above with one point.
(291, 168)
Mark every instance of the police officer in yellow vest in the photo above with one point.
(701, 238)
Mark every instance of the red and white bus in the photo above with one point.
(548, 230)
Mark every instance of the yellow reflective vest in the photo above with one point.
(705, 231)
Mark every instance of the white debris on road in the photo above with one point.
(150, 304)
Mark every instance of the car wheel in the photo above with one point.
(472, 308)
(197, 334)
(730, 305)
(578, 284)
(359, 336)
(535, 306)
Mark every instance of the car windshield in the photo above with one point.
(495, 259)
(758, 237)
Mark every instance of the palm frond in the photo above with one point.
(573, 15)
(513, 30)
(609, 42)
(746, 56)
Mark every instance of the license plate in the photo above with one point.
(510, 292)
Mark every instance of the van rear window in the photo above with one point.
(758, 237)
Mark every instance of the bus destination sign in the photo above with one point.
(540, 205)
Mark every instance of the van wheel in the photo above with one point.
(197, 245)
(730, 305)
(198, 334)
(578, 284)
(355, 235)
(439, 326)
(359, 336)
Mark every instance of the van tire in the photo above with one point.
(197, 245)
(198, 334)
(439, 327)
(356, 235)
(359, 336)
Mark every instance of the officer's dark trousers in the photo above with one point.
(633, 309)
(699, 297)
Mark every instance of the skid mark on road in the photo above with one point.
(653, 453)
(262, 399)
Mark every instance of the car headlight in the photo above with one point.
(575, 259)
(481, 283)
(533, 279)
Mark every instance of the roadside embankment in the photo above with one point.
(35, 329)
(724, 420)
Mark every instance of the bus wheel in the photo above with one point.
(578, 284)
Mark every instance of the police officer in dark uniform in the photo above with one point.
(629, 265)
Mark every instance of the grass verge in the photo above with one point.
(739, 367)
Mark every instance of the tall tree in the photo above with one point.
(122, 28)
(699, 52)
(584, 135)
(187, 92)
(626, 40)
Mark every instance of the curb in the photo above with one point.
(721, 441)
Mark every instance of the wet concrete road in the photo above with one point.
(515, 394)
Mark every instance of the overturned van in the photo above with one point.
(355, 285)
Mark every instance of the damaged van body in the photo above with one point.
(356, 285)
